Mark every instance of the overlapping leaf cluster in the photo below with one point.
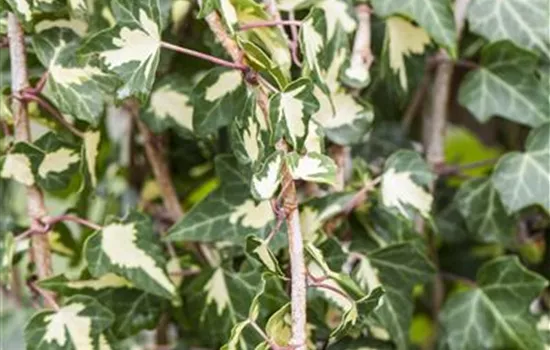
(380, 250)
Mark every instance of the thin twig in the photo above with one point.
(52, 220)
(48, 298)
(206, 57)
(418, 97)
(294, 42)
(331, 288)
(44, 104)
(263, 24)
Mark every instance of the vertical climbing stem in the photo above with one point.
(40, 250)
(296, 251)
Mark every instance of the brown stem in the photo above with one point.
(268, 340)
(203, 56)
(44, 104)
(418, 98)
(36, 208)
(52, 220)
(362, 53)
(453, 277)
(435, 146)
(263, 24)
(331, 288)
(457, 169)
(294, 42)
(48, 298)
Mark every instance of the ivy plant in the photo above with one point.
(275, 174)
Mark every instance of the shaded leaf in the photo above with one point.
(314, 167)
(484, 213)
(523, 179)
(506, 86)
(495, 314)
(525, 22)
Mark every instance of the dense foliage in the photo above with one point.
(198, 171)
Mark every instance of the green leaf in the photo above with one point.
(495, 314)
(250, 135)
(130, 248)
(314, 167)
(228, 214)
(278, 327)
(404, 180)
(506, 86)
(236, 342)
(170, 106)
(131, 47)
(7, 250)
(435, 16)
(133, 309)
(266, 180)
(218, 98)
(397, 268)
(523, 179)
(78, 324)
(525, 22)
(484, 213)
(291, 109)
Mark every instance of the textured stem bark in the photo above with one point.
(435, 144)
(296, 251)
(40, 249)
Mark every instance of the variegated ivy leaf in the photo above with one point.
(78, 324)
(49, 161)
(272, 40)
(484, 213)
(435, 16)
(228, 214)
(261, 62)
(314, 167)
(397, 268)
(506, 85)
(250, 135)
(259, 250)
(237, 340)
(291, 109)
(267, 178)
(315, 212)
(344, 120)
(48, 5)
(344, 293)
(525, 22)
(16, 165)
(22, 9)
(279, 326)
(131, 47)
(217, 99)
(312, 42)
(495, 314)
(130, 248)
(170, 106)
(315, 139)
(133, 309)
(7, 249)
(523, 179)
(337, 14)
(77, 89)
(218, 299)
(403, 39)
(404, 182)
